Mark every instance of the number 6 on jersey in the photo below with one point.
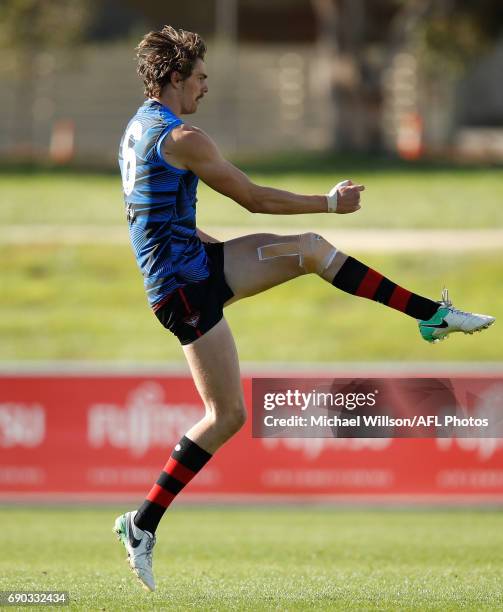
(129, 157)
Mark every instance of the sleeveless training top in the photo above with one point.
(160, 205)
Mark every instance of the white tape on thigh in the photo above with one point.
(314, 252)
(278, 249)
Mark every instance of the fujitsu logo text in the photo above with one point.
(146, 421)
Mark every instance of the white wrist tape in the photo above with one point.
(333, 196)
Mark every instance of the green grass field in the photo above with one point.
(263, 559)
(398, 195)
(87, 303)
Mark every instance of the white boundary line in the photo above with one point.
(382, 240)
(250, 369)
(237, 499)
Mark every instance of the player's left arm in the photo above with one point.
(196, 151)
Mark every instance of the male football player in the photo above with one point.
(189, 277)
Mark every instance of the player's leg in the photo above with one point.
(260, 261)
(214, 364)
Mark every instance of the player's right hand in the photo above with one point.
(344, 197)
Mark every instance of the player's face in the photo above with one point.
(194, 88)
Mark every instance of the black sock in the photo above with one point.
(185, 462)
(358, 279)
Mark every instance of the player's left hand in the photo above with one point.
(344, 198)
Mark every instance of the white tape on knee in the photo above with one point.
(315, 253)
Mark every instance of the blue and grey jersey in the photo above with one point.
(160, 205)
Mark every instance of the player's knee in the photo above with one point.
(230, 417)
(315, 253)
(234, 417)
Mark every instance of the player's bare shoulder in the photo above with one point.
(184, 144)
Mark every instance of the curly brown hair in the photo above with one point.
(160, 53)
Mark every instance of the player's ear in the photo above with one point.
(176, 79)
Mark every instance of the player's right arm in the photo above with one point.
(192, 149)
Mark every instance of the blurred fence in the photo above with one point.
(262, 98)
(258, 100)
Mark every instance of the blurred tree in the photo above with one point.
(454, 33)
(353, 36)
(30, 32)
(358, 38)
(259, 21)
(28, 25)
(194, 16)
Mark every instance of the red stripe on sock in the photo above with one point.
(399, 299)
(369, 284)
(160, 496)
(179, 471)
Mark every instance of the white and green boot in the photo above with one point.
(139, 545)
(448, 319)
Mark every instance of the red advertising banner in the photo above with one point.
(107, 437)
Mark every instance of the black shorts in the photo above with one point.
(190, 311)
